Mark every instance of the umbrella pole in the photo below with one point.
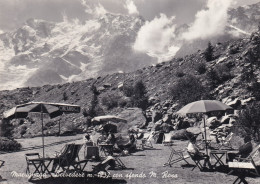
(42, 132)
(205, 135)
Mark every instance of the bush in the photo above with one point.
(208, 54)
(9, 145)
(128, 90)
(249, 119)
(219, 75)
(5, 128)
(110, 101)
(139, 97)
(201, 68)
(188, 89)
(179, 74)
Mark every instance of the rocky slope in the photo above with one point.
(233, 58)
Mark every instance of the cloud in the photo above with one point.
(155, 38)
(130, 6)
(210, 21)
(95, 9)
(1, 31)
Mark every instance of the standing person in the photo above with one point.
(196, 154)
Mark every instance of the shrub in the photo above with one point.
(9, 145)
(110, 101)
(188, 89)
(208, 54)
(122, 102)
(233, 50)
(139, 97)
(179, 74)
(94, 101)
(5, 128)
(23, 130)
(64, 96)
(249, 119)
(201, 68)
(128, 90)
(218, 75)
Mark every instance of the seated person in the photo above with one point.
(87, 140)
(102, 138)
(130, 145)
(243, 151)
(111, 139)
(196, 154)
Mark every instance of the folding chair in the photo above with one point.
(246, 165)
(167, 139)
(71, 159)
(196, 160)
(176, 156)
(147, 140)
(225, 143)
(2, 163)
(29, 162)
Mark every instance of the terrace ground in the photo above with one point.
(143, 166)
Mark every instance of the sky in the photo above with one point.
(13, 13)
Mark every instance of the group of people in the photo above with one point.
(243, 151)
(110, 138)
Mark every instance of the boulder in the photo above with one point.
(166, 119)
(234, 103)
(156, 127)
(181, 134)
(156, 115)
(212, 122)
(134, 117)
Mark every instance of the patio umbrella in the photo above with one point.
(204, 106)
(44, 108)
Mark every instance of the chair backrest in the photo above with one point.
(255, 152)
(229, 137)
(65, 150)
(74, 154)
(29, 156)
(167, 138)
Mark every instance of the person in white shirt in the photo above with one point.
(196, 154)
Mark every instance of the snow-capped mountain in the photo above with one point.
(42, 52)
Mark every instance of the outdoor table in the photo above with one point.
(90, 152)
(106, 149)
(219, 154)
(41, 166)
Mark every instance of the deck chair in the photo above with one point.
(28, 158)
(109, 162)
(70, 159)
(176, 156)
(146, 141)
(167, 139)
(225, 143)
(246, 165)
